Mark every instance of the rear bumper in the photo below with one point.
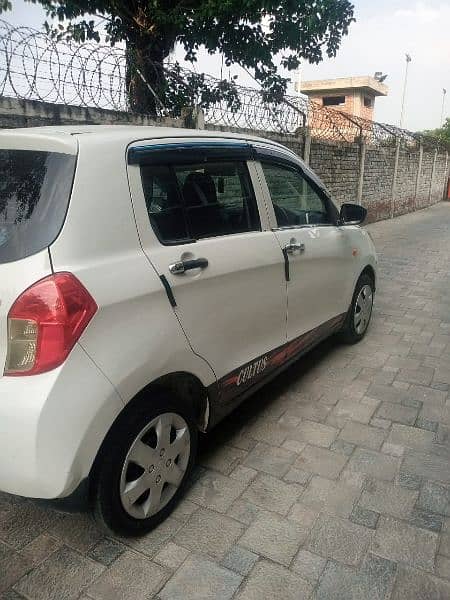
(52, 425)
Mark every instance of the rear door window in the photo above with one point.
(34, 194)
(191, 202)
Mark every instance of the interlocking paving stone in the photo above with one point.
(131, 576)
(355, 411)
(184, 510)
(416, 585)
(314, 433)
(240, 560)
(12, 567)
(434, 497)
(381, 423)
(268, 580)
(443, 436)
(63, 574)
(106, 551)
(426, 519)
(270, 459)
(410, 437)
(303, 515)
(244, 474)
(12, 595)
(23, 522)
(223, 458)
(297, 476)
(412, 482)
(362, 435)
(399, 541)
(171, 556)
(312, 411)
(308, 565)
(76, 531)
(269, 432)
(353, 478)
(152, 542)
(201, 578)
(294, 446)
(215, 491)
(410, 401)
(443, 566)
(374, 580)
(363, 516)
(341, 447)
(40, 548)
(388, 499)
(393, 449)
(387, 393)
(397, 413)
(429, 466)
(442, 375)
(444, 546)
(420, 376)
(274, 537)
(399, 362)
(426, 394)
(209, 533)
(423, 423)
(270, 493)
(244, 511)
(375, 464)
(382, 376)
(321, 462)
(334, 497)
(339, 539)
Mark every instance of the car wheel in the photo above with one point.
(360, 311)
(143, 467)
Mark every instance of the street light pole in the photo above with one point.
(441, 122)
(408, 60)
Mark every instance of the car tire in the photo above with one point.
(358, 317)
(152, 449)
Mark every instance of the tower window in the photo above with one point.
(368, 102)
(333, 100)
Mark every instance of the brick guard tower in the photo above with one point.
(353, 95)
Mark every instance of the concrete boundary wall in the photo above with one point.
(388, 180)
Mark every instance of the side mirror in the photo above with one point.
(352, 214)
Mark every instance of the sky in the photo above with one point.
(383, 32)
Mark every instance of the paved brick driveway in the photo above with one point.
(332, 483)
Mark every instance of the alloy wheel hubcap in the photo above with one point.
(155, 465)
(363, 309)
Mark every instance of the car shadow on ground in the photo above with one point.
(259, 402)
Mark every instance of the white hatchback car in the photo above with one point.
(150, 280)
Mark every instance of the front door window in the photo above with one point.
(295, 201)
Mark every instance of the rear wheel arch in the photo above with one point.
(185, 387)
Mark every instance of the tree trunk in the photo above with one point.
(145, 78)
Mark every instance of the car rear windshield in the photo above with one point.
(34, 194)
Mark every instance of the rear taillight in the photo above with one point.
(45, 322)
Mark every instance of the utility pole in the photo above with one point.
(441, 122)
(405, 83)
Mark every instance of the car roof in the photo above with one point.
(126, 134)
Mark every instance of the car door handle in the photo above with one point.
(293, 247)
(181, 266)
